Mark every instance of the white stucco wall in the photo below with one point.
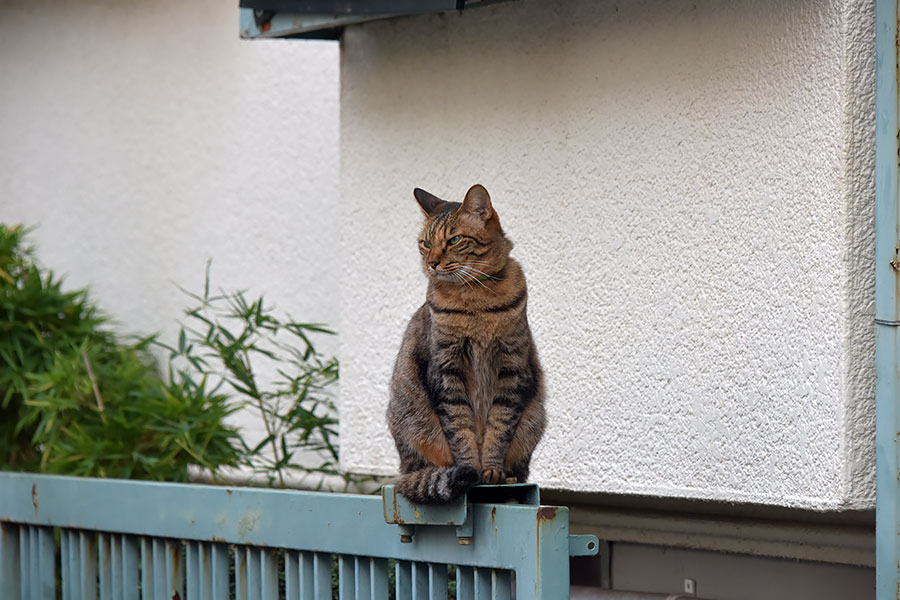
(689, 186)
(145, 137)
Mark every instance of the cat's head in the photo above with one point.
(462, 242)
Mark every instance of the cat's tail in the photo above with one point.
(437, 485)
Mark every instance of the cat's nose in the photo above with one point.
(433, 264)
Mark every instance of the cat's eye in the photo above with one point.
(453, 240)
(426, 243)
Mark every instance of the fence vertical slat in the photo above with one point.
(81, 553)
(193, 572)
(25, 561)
(128, 567)
(46, 553)
(437, 581)
(9, 560)
(116, 568)
(464, 582)
(71, 561)
(207, 572)
(219, 577)
(346, 569)
(43, 563)
(253, 573)
(147, 577)
(362, 578)
(105, 576)
(71, 564)
(482, 584)
(67, 565)
(174, 570)
(28, 565)
(268, 573)
(379, 579)
(322, 574)
(403, 580)
(240, 573)
(249, 573)
(291, 575)
(500, 585)
(420, 581)
(33, 565)
(305, 579)
(159, 569)
(87, 552)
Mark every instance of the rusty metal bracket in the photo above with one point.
(399, 510)
(409, 516)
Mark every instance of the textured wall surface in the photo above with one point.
(145, 137)
(689, 186)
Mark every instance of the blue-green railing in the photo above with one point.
(128, 540)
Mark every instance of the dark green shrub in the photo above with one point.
(36, 320)
(77, 399)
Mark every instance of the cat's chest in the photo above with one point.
(481, 329)
(481, 378)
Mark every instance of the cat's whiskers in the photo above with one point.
(490, 266)
(482, 263)
(492, 277)
(459, 277)
(468, 272)
(453, 269)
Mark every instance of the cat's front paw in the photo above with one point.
(492, 476)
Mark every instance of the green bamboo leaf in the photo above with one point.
(259, 447)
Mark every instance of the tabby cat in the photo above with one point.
(467, 394)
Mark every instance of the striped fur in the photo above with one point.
(467, 391)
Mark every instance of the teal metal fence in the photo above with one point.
(86, 539)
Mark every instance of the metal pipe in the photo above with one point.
(886, 308)
(887, 315)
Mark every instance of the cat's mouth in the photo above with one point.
(445, 275)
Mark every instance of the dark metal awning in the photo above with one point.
(326, 19)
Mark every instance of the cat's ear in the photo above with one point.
(428, 202)
(478, 203)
